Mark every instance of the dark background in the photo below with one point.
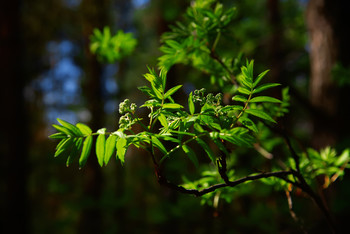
(47, 71)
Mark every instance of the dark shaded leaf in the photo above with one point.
(248, 123)
(78, 144)
(190, 153)
(261, 114)
(207, 149)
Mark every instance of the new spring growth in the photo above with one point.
(199, 96)
(128, 109)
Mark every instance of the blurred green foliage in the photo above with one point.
(111, 48)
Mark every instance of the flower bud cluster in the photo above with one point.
(128, 109)
(126, 106)
(125, 121)
(199, 96)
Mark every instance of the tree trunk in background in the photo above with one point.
(275, 54)
(14, 166)
(323, 54)
(95, 14)
(328, 21)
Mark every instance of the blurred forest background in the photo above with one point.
(47, 72)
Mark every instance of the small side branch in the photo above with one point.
(163, 181)
(214, 56)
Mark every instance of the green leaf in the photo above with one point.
(238, 136)
(78, 144)
(259, 78)
(259, 113)
(84, 128)
(207, 149)
(173, 44)
(172, 106)
(248, 123)
(110, 148)
(168, 138)
(157, 91)
(121, 149)
(59, 135)
(85, 151)
(163, 121)
(221, 146)
(64, 146)
(70, 126)
(229, 108)
(100, 148)
(63, 130)
(243, 90)
(190, 153)
(61, 142)
(159, 145)
(343, 158)
(264, 87)
(265, 99)
(147, 90)
(239, 98)
(191, 104)
(172, 91)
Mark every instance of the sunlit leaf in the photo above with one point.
(163, 121)
(264, 87)
(70, 126)
(244, 90)
(100, 148)
(159, 145)
(59, 135)
(85, 151)
(110, 148)
(172, 91)
(265, 99)
(121, 149)
(172, 106)
(259, 78)
(239, 98)
(84, 128)
(63, 130)
(191, 104)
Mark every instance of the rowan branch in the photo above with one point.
(163, 181)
